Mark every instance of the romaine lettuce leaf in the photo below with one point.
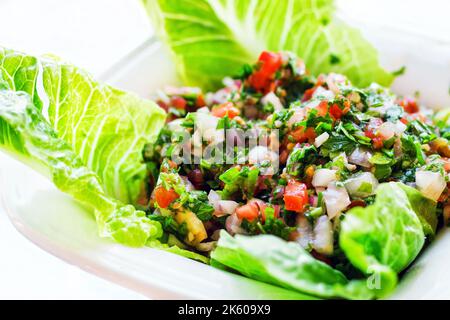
(384, 238)
(107, 128)
(272, 260)
(211, 39)
(26, 134)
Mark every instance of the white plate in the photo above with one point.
(59, 225)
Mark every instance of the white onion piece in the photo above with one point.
(323, 177)
(305, 232)
(430, 184)
(203, 110)
(187, 184)
(272, 99)
(228, 206)
(400, 127)
(387, 130)
(349, 166)
(355, 186)
(214, 198)
(175, 125)
(323, 236)
(214, 135)
(360, 157)
(259, 154)
(333, 79)
(233, 225)
(336, 199)
(206, 121)
(320, 140)
(323, 93)
(298, 116)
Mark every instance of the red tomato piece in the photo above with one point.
(336, 111)
(262, 79)
(226, 109)
(165, 197)
(302, 135)
(322, 108)
(377, 142)
(248, 212)
(409, 104)
(178, 102)
(295, 196)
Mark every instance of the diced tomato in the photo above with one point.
(308, 94)
(322, 108)
(404, 120)
(271, 62)
(178, 102)
(409, 104)
(372, 127)
(165, 197)
(377, 142)
(336, 111)
(200, 101)
(226, 109)
(295, 196)
(262, 79)
(248, 212)
(302, 135)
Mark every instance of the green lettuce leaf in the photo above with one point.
(211, 39)
(424, 208)
(27, 135)
(272, 260)
(384, 238)
(107, 128)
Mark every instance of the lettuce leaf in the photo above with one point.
(384, 238)
(107, 128)
(211, 39)
(26, 134)
(424, 208)
(272, 260)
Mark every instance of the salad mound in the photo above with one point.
(310, 184)
(354, 180)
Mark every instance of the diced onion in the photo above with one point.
(323, 177)
(430, 184)
(203, 110)
(272, 99)
(360, 157)
(175, 125)
(214, 199)
(228, 206)
(323, 236)
(387, 130)
(298, 116)
(233, 225)
(221, 207)
(400, 127)
(322, 92)
(206, 121)
(356, 188)
(305, 234)
(260, 154)
(320, 140)
(336, 199)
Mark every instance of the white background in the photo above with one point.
(95, 34)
